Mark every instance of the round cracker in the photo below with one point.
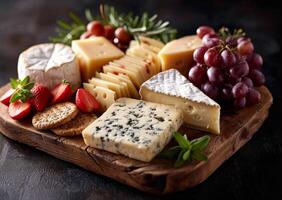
(55, 116)
(75, 126)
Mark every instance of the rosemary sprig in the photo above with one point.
(144, 25)
(186, 150)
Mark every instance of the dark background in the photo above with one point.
(254, 172)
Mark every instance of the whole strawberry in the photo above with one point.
(40, 97)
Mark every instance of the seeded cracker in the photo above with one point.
(75, 126)
(55, 116)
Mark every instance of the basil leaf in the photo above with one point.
(14, 83)
(170, 153)
(182, 141)
(199, 156)
(200, 143)
(179, 160)
(186, 155)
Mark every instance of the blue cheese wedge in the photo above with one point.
(172, 88)
(134, 128)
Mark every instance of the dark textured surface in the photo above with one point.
(252, 173)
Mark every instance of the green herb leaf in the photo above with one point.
(170, 153)
(199, 156)
(15, 97)
(182, 141)
(24, 81)
(14, 83)
(186, 150)
(200, 143)
(179, 162)
(29, 86)
(186, 155)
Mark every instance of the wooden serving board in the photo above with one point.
(158, 176)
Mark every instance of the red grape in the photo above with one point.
(211, 57)
(210, 89)
(229, 79)
(210, 40)
(228, 58)
(245, 47)
(226, 93)
(122, 35)
(257, 77)
(203, 30)
(109, 32)
(240, 90)
(215, 75)
(241, 39)
(255, 61)
(197, 75)
(231, 41)
(253, 96)
(85, 35)
(199, 53)
(240, 103)
(248, 82)
(239, 70)
(96, 28)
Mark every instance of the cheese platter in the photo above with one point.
(135, 104)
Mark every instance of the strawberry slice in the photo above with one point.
(19, 110)
(86, 102)
(40, 97)
(5, 98)
(61, 93)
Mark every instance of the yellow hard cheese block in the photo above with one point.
(93, 54)
(178, 53)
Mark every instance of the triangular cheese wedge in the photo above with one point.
(172, 88)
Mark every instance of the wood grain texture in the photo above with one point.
(158, 176)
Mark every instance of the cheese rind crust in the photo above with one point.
(49, 64)
(134, 128)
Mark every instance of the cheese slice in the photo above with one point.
(134, 77)
(172, 88)
(146, 67)
(178, 53)
(49, 64)
(124, 78)
(104, 96)
(151, 42)
(123, 85)
(93, 53)
(140, 51)
(107, 84)
(134, 128)
(141, 69)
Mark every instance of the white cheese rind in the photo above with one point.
(171, 88)
(49, 64)
(134, 128)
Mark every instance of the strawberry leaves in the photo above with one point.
(186, 150)
(22, 89)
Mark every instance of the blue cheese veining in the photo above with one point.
(134, 128)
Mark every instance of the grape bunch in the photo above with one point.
(119, 36)
(227, 68)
